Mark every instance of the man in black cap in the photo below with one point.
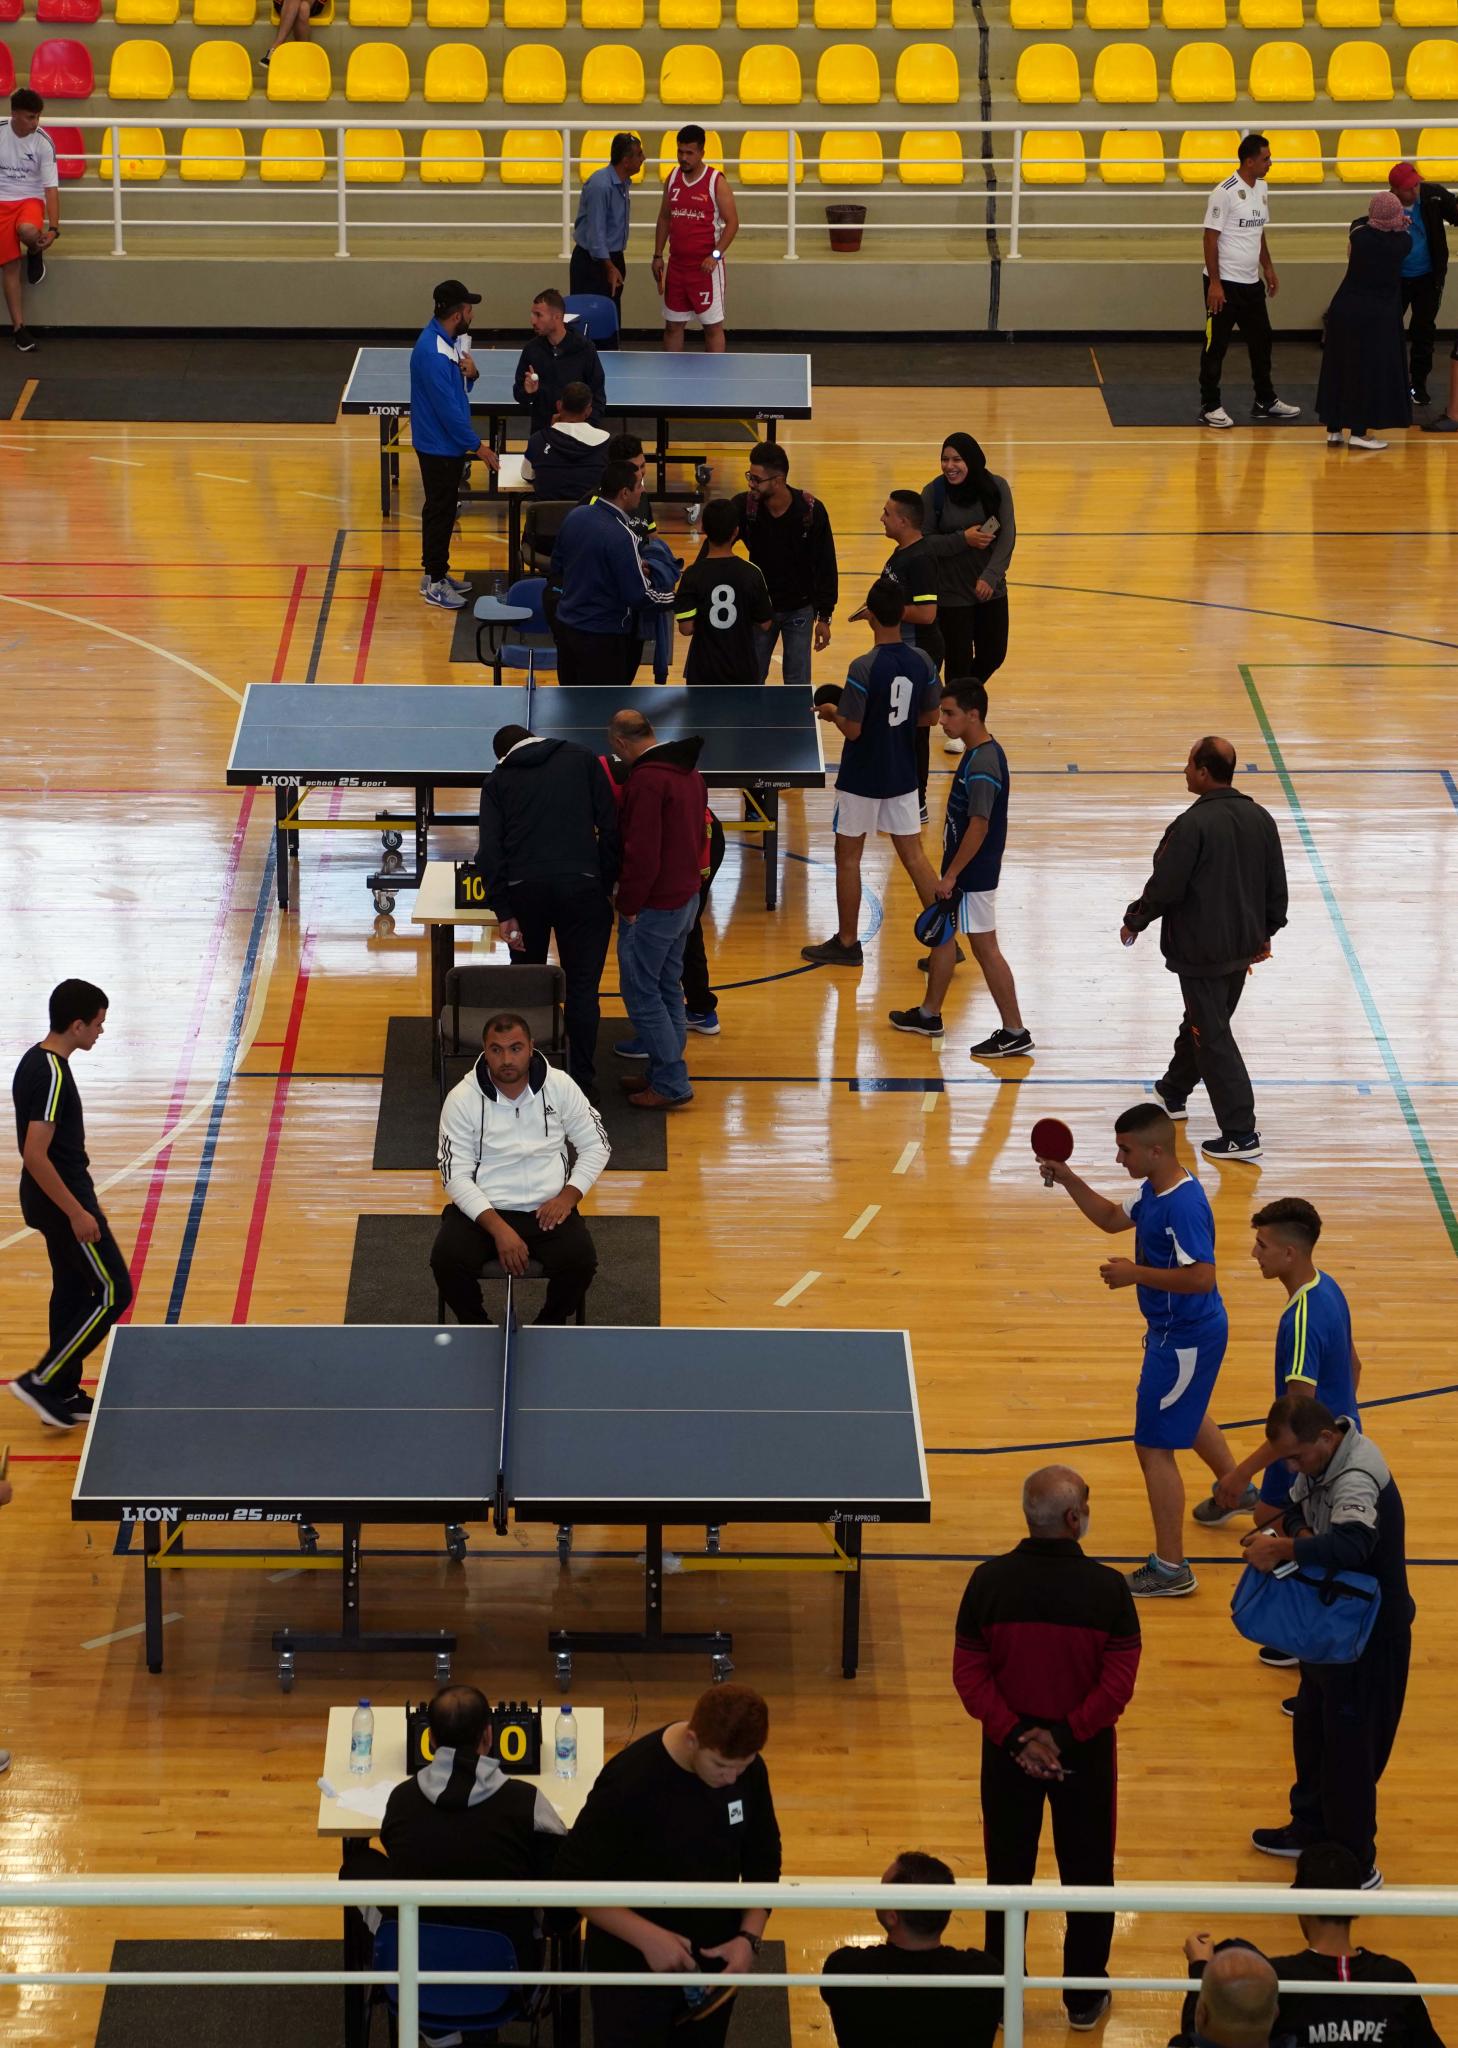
(443, 434)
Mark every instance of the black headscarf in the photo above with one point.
(978, 487)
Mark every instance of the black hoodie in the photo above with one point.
(573, 361)
(547, 811)
(567, 459)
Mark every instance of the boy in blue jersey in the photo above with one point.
(888, 694)
(1173, 1271)
(973, 840)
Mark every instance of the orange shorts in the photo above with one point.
(12, 213)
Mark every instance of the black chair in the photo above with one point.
(494, 1270)
(541, 522)
(477, 992)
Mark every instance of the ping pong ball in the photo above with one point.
(442, 1336)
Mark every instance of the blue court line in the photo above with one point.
(325, 605)
(1105, 1557)
(1436, 1186)
(1246, 611)
(866, 1084)
(220, 1093)
(1450, 785)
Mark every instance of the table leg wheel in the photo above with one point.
(442, 1667)
(456, 1541)
(286, 1671)
(564, 1543)
(384, 901)
(712, 1539)
(391, 863)
(564, 1670)
(722, 1667)
(308, 1538)
(392, 840)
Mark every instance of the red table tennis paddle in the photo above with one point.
(1051, 1139)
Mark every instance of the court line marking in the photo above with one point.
(867, 1216)
(27, 392)
(120, 1635)
(909, 1153)
(1249, 611)
(117, 462)
(793, 1293)
(1450, 785)
(147, 646)
(929, 1101)
(214, 476)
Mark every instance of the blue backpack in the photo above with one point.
(1322, 1617)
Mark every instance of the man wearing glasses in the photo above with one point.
(788, 538)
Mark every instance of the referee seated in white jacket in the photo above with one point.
(504, 1133)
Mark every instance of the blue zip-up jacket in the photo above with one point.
(440, 412)
(603, 578)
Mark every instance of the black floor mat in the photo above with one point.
(390, 1280)
(1178, 405)
(406, 1135)
(258, 399)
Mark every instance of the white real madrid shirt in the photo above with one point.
(1239, 214)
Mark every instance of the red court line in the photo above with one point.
(275, 1132)
(367, 629)
(290, 616)
(45, 1457)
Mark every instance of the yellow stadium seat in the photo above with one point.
(140, 70)
(531, 156)
(377, 73)
(1425, 13)
(930, 157)
(934, 15)
(612, 14)
(1047, 76)
(764, 157)
(760, 14)
(1275, 13)
(1116, 14)
(596, 154)
(1296, 156)
(927, 75)
(1432, 70)
(373, 156)
(1202, 74)
(534, 76)
(1124, 75)
(1348, 13)
(612, 76)
(1365, 155)
(1051, 156)
(691, 76)
(455, 75)
(1436, 155)
(452, 156)
(212, 156)
(224, 13)
(291, 156)
(146, 14)
(143, 156)
(1359, 71)
(1207, 155)
(457, 13)
(1042, 17)
(769, 76)
(851, 158)
(220, 70)
(848, 76)
(322, 20)
(1280, 72)
(1127, 156)
(690, 13)
(845, 14)
(379, 13)
(535, 13)
(1188, 14)
(300, 71)
(667, 158)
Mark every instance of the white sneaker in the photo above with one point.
(4, 1760)
(443, 594)
(1366, 441)
(1216, 417)
(1334, 440)
(954, 746)
(1277, 410)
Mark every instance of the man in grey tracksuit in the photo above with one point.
(1219, 890)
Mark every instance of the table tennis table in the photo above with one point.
(294, 737)
(640, 383)
(251, 1426)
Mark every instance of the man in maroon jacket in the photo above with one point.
(664, 855)
(1047, 1652)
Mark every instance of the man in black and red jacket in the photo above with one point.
(1047, 1653)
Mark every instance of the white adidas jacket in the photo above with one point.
(496, 1154)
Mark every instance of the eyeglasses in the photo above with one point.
(755, 476)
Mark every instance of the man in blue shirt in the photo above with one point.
(973, 840)
(889, 694)
(1173, 1273)
(600, 233)
(1425, 267)
(606, 577)
(443, 434)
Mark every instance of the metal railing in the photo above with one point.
(993, 189)
(1019, 1903)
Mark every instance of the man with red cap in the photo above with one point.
(1428, 207)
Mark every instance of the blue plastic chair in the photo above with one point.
(596, 316)
(472, 2009)
(530, 645)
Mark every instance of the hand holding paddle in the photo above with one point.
(1052, 1148)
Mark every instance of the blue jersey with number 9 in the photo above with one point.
(887, 693)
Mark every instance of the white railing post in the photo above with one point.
(408, 1958)
(118, 247)
(1014, 1935)
(1017, 204)
(792, 254)
(567, 215)
(340, 198)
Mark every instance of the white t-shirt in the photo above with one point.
(27, 164)
(1239, 214)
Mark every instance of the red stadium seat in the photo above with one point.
(7, 72)
(68, 10)
(70, 152)
(11, 10)
(60, 69)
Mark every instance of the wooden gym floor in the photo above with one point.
(1166, 584)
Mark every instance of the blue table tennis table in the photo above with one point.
(248, 1426)
(641, 383)
(294, 737)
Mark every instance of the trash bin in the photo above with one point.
(846, 223)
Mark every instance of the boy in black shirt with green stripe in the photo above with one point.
(90, 1285)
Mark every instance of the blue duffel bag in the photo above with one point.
(1322, 1617)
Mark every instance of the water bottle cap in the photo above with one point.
(364, 1703)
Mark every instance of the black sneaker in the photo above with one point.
(831, 953)
(1420, 395)
(35, 268)
(24, 340)
(1372, 1882)
(925, 815)
(1288, 1707)
(923, 965)
(1288, 1841)
(54, 1410)
(1277, 1660)
(81, 1404)
(1004, 1045)
(1088, 2011)
(1174, 1106)
(1233, 1145)
(926, 1026)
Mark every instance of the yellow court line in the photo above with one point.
(793, 1293)
(868, 1215)
(22, 404)
(929, 1101)
(908, 1153)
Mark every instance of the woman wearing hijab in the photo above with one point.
(1364, 380)
(971, 561)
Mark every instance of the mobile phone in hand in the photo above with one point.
(991, 526)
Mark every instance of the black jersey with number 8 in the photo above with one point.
(728, 600)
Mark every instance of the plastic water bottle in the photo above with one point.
(361, 1740)
(566, 1742)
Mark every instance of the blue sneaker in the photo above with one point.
(705, 1022)
(632, 1049)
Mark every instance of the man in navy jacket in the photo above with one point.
(443, 434)
(605, 579)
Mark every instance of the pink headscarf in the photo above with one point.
(1387, 213)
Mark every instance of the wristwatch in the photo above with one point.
(756, 1941)
(717, 255)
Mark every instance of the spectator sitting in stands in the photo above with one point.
(557, 355)
(295, 21)
(567, 458)
(913, 1945)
